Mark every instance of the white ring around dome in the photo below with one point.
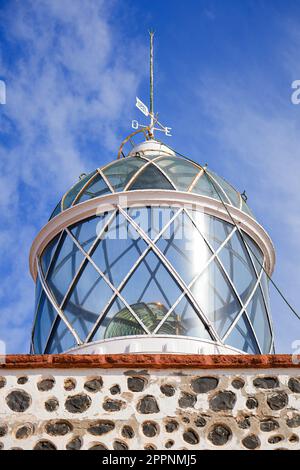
(158, 344)
(141, 198)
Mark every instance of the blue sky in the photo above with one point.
(223, 74)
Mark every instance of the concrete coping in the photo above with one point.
(149, 361)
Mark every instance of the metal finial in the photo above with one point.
(154, 125)
(244, 196)
(151, 32)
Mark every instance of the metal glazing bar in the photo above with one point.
(220, 188)
(241, 201)
(86, 185)
(95, 242)
(254, 332)
(64, 196)
(108, 282)
(108, 165)
(173, 272)
(163, 172)
(214, 254)
(129, 274)
(106, 180)
(56, 307)
(232, 286)
(50, 333)
(269, 317)
(38, 301)
(140, 170)
(251, 256)
(54, 254)
(136, 174)
(48, 269)
(161, 157)
(195, 180)
(236, 320)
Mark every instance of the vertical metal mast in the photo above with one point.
(154, 125)
(151, 32)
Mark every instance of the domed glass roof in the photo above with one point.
(164, 172)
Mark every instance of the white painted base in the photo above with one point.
(154, 345)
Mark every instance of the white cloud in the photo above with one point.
(257, 134)
(70, 79)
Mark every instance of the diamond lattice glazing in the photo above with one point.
(151, 271)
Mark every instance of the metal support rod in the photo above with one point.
(151, 82)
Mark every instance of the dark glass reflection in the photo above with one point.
(64, 267)
(242, 337)
(72, 193)
(181, 172)
(45, 318)
(61, 339)
(151, 178)
(96, 188)
(120, 172)
(259, 319)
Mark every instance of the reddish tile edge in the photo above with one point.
(152, 361)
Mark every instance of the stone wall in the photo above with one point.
(147, 402)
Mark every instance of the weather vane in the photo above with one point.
(145, 110)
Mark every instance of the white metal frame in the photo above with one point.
(151, 244)
(141, 197)
(116, 202)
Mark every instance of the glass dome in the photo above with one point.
(163, 263)
(152, 271)
(164, 172)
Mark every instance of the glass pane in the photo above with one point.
(242, 337)
(152, 219)
(121, 171)
(153, 155)
(61, 340)
(56, 211)
(64, 267)
(151, 178)
(118, 251)
(118, 322)
(215, 230)
(86, 232)
(45, 318)
(246, 208)
(229, 190)
(70, 196)
(48, 254)
(184, 321)
(87, 300)
(258, 317)
(184, 247)
(255, 252)
(180, 171)
(216, 297)
(38, 289)
(151, 283)
(264, 282)
(204, 187)
(96, 188)
(238, 265)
